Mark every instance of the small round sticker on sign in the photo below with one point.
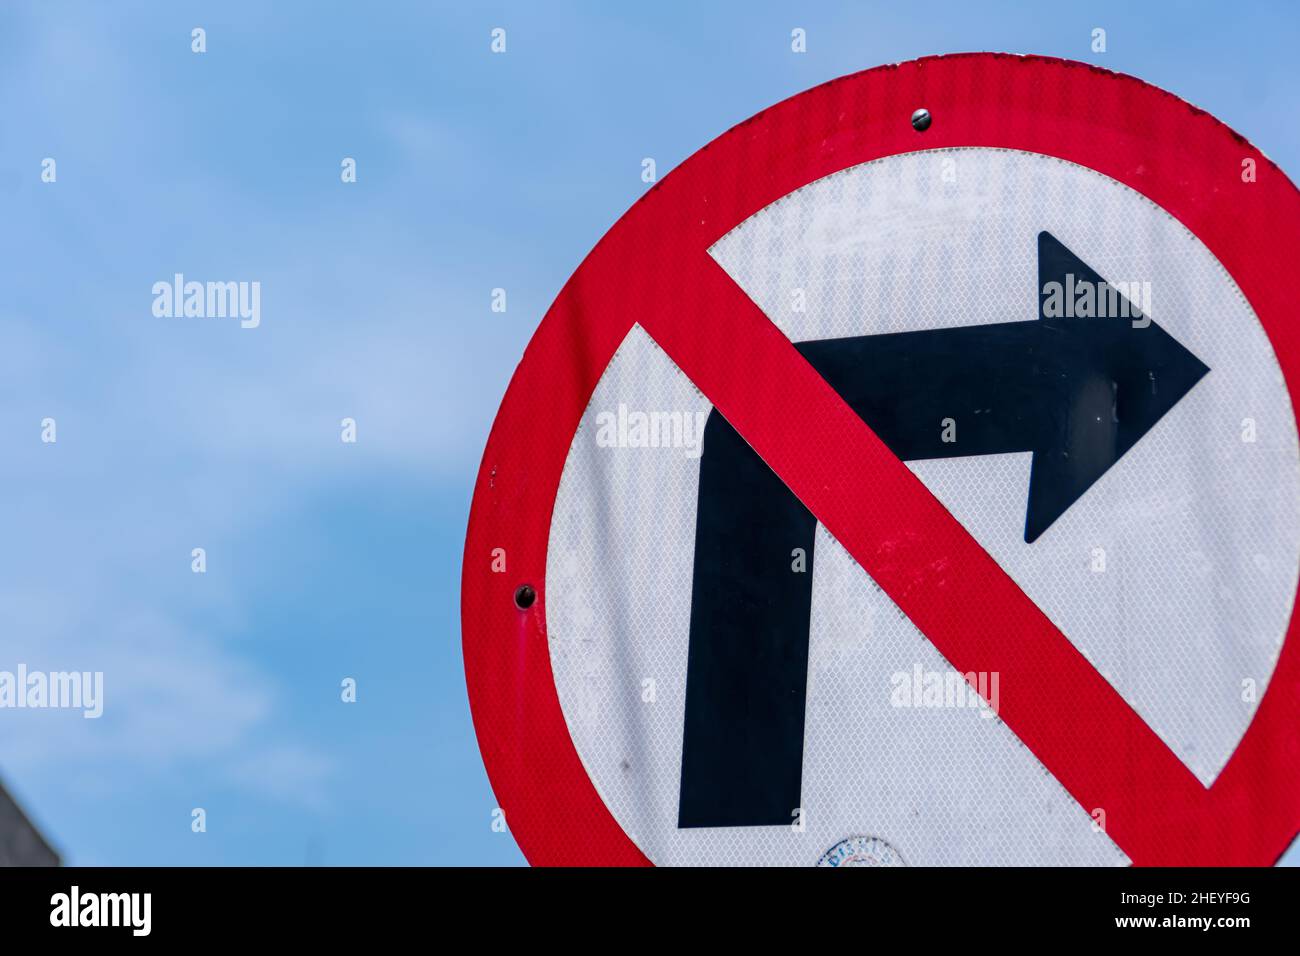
(861, 851)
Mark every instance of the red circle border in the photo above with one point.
(1176, 155)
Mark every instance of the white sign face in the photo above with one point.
(1173, 571)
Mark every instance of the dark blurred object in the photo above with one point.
(21, 844)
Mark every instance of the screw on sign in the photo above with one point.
(910, 476)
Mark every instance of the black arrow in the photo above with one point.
(1078, 389)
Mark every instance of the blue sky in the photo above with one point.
(328, 560)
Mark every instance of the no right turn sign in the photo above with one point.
(881, 492)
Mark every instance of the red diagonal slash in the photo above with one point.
(1094, 743)
(653, 268)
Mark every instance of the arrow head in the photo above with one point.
(1112, 375)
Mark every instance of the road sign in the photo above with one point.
(910, 493)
